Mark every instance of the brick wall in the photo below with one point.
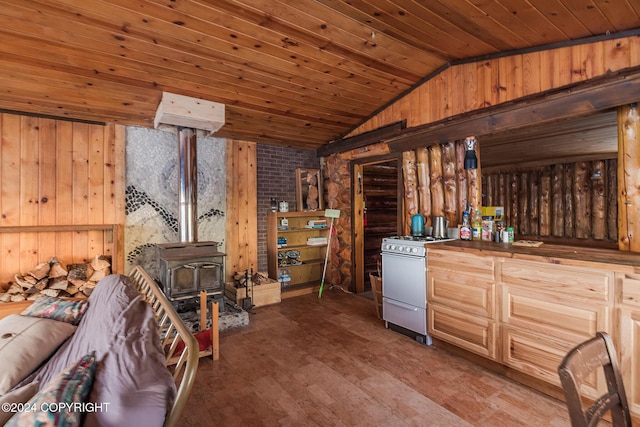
(276, 178)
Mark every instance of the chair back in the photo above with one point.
(583, 360)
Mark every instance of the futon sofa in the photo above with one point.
(104, 359)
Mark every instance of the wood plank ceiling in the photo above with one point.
(299, 73)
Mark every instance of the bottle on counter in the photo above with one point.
(465, 229)
(476, 225)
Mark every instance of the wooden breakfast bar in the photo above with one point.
(524, 308)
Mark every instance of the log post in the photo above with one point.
(449, 182)
(424, 184)
(410, 188)
(569, 211)
(612, 200)
(628, 177)
(544, 207)
(582, 200)
(437, 187)
(557, 204)
(461, 177)
(598, 200)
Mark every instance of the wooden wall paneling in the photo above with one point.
(449, 183)
(565, 64)
(241, 224)
(531, 73)
(9, 188)
(628, 178)
(486, 89)
(569, 210)
(557, 203)
(80, 172)
(29, 180)
(411, 199)
(461, 179)
(95, 183)
(64, 187)
(437, 184)
(619, 53)
(424, 183)
(582, 200)
(544, 210)
(612, 200)
(47, 184)
(598, 200)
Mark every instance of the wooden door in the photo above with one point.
(377, 209)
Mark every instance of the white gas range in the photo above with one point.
(404, 284)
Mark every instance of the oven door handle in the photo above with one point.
(402, 305)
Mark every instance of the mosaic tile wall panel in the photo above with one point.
(152, 185)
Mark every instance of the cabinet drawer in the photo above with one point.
(571, 281)
(539, 356)
(463, 330)
(553, 316)
(474, 265)
(462, 292)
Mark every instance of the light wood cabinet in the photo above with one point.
(305, 277)
(527, 311)
(461, 294)
(547, 309)
(628, 344)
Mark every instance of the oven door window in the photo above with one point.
(183, 280)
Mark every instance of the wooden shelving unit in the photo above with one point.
(305, 277)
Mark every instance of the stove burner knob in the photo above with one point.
(393, 247)
(409, 249)
(415, 250)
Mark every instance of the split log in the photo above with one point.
(424, 183)
(57, 271)
(557, 204)
(598, 200)
(410, 188)
(21, 280)
(534, 203)
(50, 292)
(544, 207)
(515, 208)
(449, 182)
(523, 204)
(79, 272)
(5, 297)
(582, 200)
(60, 283)
(17, 298)
(569, 211)
(14, 289)
(40, 271)
(435, 175)
(461, 177)
(612, 200)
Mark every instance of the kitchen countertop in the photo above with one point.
(547, 252)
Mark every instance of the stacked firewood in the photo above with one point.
(241, 278)
(52, 279)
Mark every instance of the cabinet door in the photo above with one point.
(629, 355)
(468, 331)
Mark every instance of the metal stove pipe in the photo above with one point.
(188, 194)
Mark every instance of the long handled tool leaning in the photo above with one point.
(333, 214)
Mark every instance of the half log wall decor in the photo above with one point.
(568, 201)
(436, 183)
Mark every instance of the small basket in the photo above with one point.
(376, 288)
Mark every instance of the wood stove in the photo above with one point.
(190, 267)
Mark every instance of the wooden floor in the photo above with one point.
(331, 362)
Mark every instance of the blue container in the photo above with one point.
(417, 225)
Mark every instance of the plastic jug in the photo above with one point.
(417, 225)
